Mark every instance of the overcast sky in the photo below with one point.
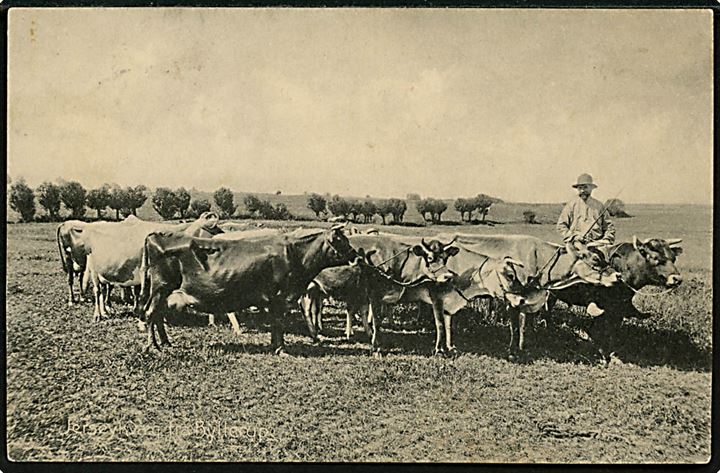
(444, 103)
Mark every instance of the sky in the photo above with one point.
(444, 103)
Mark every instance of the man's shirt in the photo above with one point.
(577, 216)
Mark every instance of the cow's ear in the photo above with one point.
(453, 250)
(418, 250)
(677, 250)
(368, 255)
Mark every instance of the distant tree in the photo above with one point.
(48, 195)
(338, 206)
(183, 201)
(118, 199)
(198, 207)
(317, 204)
(412, 196)
(22, 200)
(281, 212)
(423, 208)
(99, 199)
(354, 208)
(437, 207)
(165, 202)
(529, 217)
(464, 206)
(258, 207)
(616, 208)
(384, 208)
(482, 204)
(369, 209)
(73, 196)
(397, 209)
(278, 192)
(136, 197)
(225, 201)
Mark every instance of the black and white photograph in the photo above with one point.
(404, 235)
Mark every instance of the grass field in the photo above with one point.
(78, 390)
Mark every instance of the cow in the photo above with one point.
(72, 255)
(350, 284)
(445, 276)
(631, 266)
(114, 253)
(219, 276)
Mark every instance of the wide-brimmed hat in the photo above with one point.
(586, 180)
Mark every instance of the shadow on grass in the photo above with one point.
(557, 340)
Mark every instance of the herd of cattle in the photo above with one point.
(222, 268)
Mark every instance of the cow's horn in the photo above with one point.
(422, 240)
(635, 242)
(446, 245)
(509, 260)
(339, 226)
(673, 241)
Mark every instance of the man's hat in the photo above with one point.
(584, 179)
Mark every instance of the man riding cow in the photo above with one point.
(586, 229)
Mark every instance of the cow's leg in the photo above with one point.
(349, 323)
(96, 302)
(438, 316)
(71, 294)
(513, 318)
(211, 320)
(521, 329)
(308, 306)
(81, 276)
(448, 333)
(152, 314)
(135, 293)
(277, 311)
(232, 316)
(374, 311)
(365, 317)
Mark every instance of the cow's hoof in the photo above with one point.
(280, 351)
(377, 355)
(141, 326)
(453, 352)
(70, 304)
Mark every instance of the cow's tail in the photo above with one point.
(62, 250)
(87, 275)
(145, 274)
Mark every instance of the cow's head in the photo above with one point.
(338, 245)
(503, 281)
(655, 264)
(435, 255)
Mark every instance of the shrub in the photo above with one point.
(225, 201)
(529, 217)
(183, 201)
(198, 207)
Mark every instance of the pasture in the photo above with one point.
(84, 391)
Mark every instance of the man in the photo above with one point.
(583, 225)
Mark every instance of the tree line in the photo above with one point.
(124, 201)
(178, 203)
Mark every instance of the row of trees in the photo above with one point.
(123, 200)
(356, 210)
(75, 198)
